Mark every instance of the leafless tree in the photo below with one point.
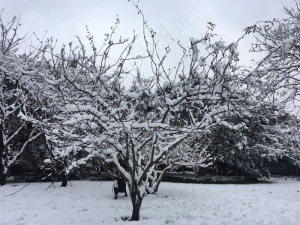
(15, 97)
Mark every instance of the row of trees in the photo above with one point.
(167, 117)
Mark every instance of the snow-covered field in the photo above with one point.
(87, 202)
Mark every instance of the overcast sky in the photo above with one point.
(179, 19)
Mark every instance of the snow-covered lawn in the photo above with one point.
(88, 202)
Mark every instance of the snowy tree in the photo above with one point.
(267, 136)
(273, 84)
(15, 97)
(67, 149)
(277, 73)
(146, 128)
(137, 128)
(276, 77)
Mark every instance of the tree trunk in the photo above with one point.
(64, 178)
(64, 181)
(136, 201)
(2, 168)
(136, 206)
(2, 177)
(2, 173)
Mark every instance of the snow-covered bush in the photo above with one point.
(266, 137)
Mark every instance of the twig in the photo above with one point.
(17, 191)
(50, 185)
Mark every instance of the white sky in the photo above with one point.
(179, 19)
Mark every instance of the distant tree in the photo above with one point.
(15, 97)
(276, 76)
(68, 145)
(277, 73)
(266, 137)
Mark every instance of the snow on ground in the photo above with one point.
(90, 202)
